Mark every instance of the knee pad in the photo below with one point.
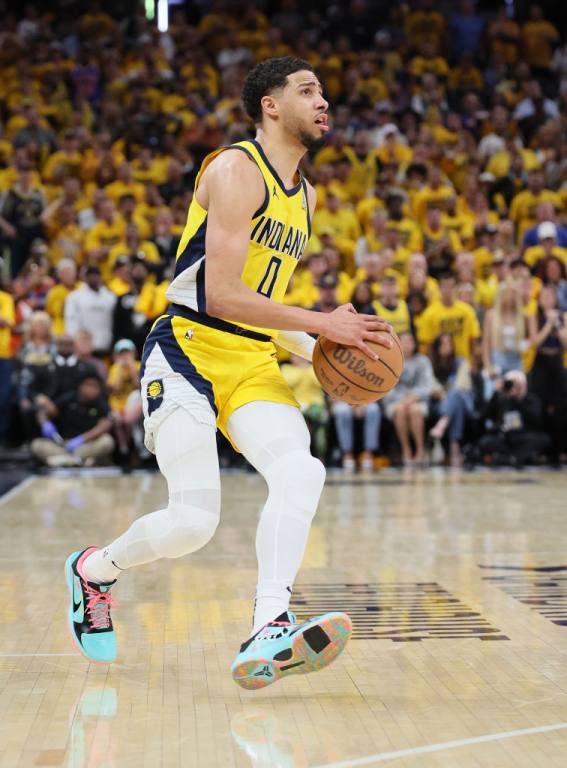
(299, 477)
(193, 519)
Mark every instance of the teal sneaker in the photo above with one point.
(89, 611)
(286, 647)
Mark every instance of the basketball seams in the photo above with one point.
(350, 381)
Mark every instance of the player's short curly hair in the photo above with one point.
(265, 78)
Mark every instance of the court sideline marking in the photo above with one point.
(383, 756)
(21, 486)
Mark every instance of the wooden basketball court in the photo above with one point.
(457, 585)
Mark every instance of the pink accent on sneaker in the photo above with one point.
(98, 605)
(87, 553)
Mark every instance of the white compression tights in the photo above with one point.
(275, 440)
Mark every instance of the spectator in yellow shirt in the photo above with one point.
(108, 230)
(391, 308)
(539, 38)
(123, 397)
(66, 162)
(450, 316)
(56, 296)
(440, 244)
(133, 246)
(7, 322)
(524, 204)
(125, 185)
(339, 222)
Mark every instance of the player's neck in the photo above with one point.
(284, 155)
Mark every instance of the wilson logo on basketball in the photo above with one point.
(356, 364)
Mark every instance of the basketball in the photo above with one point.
(346, 373)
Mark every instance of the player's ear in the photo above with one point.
(270, 106)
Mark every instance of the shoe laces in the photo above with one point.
(98, 606)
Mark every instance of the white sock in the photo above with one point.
(100, 568)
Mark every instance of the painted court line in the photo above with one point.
(381, 757)
(17, 489)
(22, 655)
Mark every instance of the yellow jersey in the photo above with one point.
(459, 321)
(279, 231)
(398, 317)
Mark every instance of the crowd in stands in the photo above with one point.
(441, 206)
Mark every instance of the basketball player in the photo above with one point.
(209, 362)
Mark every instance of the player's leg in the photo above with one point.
(275, 440)
(417, 429)
(187, 456)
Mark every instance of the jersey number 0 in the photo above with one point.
(268, 282)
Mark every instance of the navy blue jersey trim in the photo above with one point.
(163, 335)
(264, 205)
(193, 251)
(216, 323)
(304, 184)
(288, 192)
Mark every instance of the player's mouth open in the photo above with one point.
(322, 122)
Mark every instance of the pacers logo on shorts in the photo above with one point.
(154, 393)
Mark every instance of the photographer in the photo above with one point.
(514, 418)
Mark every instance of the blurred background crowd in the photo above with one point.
(442, 202)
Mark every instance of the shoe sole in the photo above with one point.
(312, 649)
(68, 570)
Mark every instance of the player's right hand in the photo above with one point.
(346, 326)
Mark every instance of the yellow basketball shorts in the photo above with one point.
(207, 371)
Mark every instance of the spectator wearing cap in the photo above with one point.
(547, 237)
(75, 426)
(327, 293)
(91, 308)
(56, 297)
(20, 217)
(545, 212)
(119, 283)
(123, 384)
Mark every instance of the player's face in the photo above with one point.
(303, 109)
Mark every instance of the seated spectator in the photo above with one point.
(75, 427)
(515, 434)
(548, 335)
(308, 393)
(123, 383)
(34, 361)
(452, 397)
(407, 404)
(371, 416)
(504, 335)
(84, 351)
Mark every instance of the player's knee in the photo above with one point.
(300, 477)
(192, 527)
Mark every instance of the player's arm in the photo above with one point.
(299, 342)
(233, 191)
